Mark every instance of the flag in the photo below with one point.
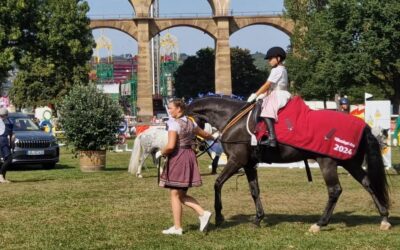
(367, 96)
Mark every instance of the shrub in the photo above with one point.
(90, 118)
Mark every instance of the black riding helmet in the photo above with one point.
(274, 52)
(344, 101)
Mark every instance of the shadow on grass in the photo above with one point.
(115, 169)
(33, 180)
(350, 220)
(37, 167)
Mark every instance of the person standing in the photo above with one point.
(6, 127)
(344, 105)
(181, 171)
(273, 92)
(397, 130)
(215, 148)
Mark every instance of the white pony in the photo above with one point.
(148, 142)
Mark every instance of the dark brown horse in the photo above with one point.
(236, 143)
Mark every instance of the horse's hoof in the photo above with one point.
(257, 221)
(139, 176)
(219, 221)
(314, 229)
(385, 225)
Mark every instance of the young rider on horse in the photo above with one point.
(273, 92)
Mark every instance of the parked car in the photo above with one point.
(31, 145)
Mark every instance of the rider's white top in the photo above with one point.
(279, 78)
(278, 95)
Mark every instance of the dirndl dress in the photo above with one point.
(181, 169)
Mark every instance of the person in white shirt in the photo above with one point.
(273, 92)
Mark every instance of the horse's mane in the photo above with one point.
(217, 108)
(213, 95)
(229, 98)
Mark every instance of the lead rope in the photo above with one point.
(158, 170)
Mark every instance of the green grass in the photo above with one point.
(67, 209)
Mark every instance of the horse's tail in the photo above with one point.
(376, 169)
(135, 156)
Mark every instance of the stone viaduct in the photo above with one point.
(142, 27)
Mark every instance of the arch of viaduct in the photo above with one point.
(220, 26)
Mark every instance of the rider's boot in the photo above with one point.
(271, 140)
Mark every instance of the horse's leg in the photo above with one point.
(252, 178)
(141, 162)
(329, 172)
(361, 176)
(374, 178)
(230, 169)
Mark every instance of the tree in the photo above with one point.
(90, 118)
(12, 15)
(246, 78)
(53, 52)
(196, 75)
(347, 47)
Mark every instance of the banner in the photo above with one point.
(377, 116)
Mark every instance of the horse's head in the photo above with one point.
(215, 110)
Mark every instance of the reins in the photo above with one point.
(237, 117)
(207, 148)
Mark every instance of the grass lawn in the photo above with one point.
(64, 208)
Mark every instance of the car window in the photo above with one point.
(24, 124)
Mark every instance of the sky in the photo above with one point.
(256, 38)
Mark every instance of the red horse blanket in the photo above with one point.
(326, 132)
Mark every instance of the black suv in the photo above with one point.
(32, 145)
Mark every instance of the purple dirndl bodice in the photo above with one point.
(181, 169)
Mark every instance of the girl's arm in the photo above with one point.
(263, 88)
(203, 133)
(172, 139)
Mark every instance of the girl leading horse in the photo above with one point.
(218, 111)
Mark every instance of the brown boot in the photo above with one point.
(271, 140)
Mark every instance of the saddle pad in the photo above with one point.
(326, 132)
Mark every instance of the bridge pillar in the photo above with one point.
(220, 7)
(141, 7)
(144, 79)
(223, 76)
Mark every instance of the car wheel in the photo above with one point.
(49, 165)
